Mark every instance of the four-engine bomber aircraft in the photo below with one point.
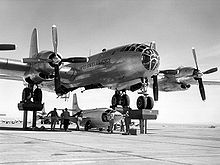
(130, 67)
(123, 68)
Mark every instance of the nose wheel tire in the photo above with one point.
(145, 102)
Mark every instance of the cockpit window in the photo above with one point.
(123, 48)
(146, 59)
(132, 48)
(150, 57)
(136, 47)
(127, 48)
(139, 50)
(147, 51)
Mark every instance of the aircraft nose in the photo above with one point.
(150, 59)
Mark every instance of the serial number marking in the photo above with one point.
(95, 63)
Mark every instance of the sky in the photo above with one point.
(89, 26)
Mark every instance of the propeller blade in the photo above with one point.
(212, 70)
(7, 46)
(201, 88)
(34, 44)
(195, 58)
(54, 38)
(56, 78)
(75, 59)
(155, 87)
(169, 71)
(36, 60)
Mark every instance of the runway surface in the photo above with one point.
(164, 144)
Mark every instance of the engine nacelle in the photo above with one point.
(173, 86)
(38, 77)
(46, 68)
(185, 72)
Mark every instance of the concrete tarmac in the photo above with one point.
(165, 144)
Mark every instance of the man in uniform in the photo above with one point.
(111, 121)
(66, 119)
(54, 118)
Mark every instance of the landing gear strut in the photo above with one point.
(144, 101)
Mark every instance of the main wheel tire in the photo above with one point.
(141, 102)
(37, 98)
(150, 102)
(26, 94)
(115, 100)
(125, 100)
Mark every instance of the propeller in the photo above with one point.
(155, 87)
(198, 75)
(56, 61)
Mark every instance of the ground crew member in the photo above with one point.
(127, 122)
(66, 120)
(111, 121)
(122, 124)
(61, 119)
(54, 118)
(78, 117)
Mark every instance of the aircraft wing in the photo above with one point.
(12, 69)
(7, 77)
(207, 82)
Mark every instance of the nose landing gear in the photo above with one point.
(144, 101)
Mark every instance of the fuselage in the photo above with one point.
(117, 69)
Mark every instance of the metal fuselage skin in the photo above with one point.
(117, 69)
(114, 69)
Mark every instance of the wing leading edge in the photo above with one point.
(11, 69)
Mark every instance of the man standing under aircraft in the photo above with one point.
(66, 119)
(54, 118)
(78, 117)
(127, 119)
(61, 119)
(111, 121)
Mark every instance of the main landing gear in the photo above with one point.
(143, 102)
(31, 101)
(120, 98)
